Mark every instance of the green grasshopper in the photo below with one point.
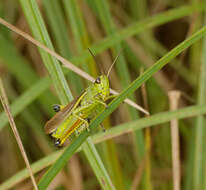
(77, 115)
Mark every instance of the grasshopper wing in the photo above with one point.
(60, 116)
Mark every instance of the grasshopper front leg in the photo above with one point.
(112, 96)
(83, 120)
(101, 102)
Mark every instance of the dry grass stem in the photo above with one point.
(148, 143)
(137, 48)
(162, 80)
(5, 104)
(174, 97)
(76, 173)
(65, 62)
(61, 179)
(138, 175)
(145, 165)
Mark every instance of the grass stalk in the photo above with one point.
(59, 31)
(101, 8)
(146, 32)
(25, 99)
(174, 97)
(200, 132)
(5, 104)
(39, 31)
(116, 131)
(59, 164)
(37, 26)
(82, 41)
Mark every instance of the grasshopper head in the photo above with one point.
(102, 85)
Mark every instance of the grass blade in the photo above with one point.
(25, 99)
(39, 31)
(122, 129)
(59, 164)
(37, 26)
(200, 132)
(5, 103)
(82, 41)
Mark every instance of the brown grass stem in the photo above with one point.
(5, 104)
(65, 62)
(174, 97)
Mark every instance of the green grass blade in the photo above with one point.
(22, 71)
(138, 8)
(59, 164)
(153, 89)
(20, 64)
(58, 27)
(200, 131)
(82, 40)
(36, 167)
(101, 8)
(97, 164)
(140, 26)
(25, 99)
(108, 42)
(59, 30)
(149, 72)
(150, 121)
(78, 27)
(36, 23)
(29, 116)
(156, 48)
(39, 31)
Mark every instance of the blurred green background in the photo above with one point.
(138, 160)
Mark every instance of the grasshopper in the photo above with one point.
(77, 115)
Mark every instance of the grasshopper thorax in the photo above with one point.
(101, 86)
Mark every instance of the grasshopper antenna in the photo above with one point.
(109, 70)
(94, 57)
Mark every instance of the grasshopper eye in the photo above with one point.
(98, 80)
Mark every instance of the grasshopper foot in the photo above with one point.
(103, 128)
(87, 125)
(57, 142)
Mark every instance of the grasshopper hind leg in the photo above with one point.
(84, 126)
(88, 121)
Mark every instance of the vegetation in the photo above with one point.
(161, 67)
